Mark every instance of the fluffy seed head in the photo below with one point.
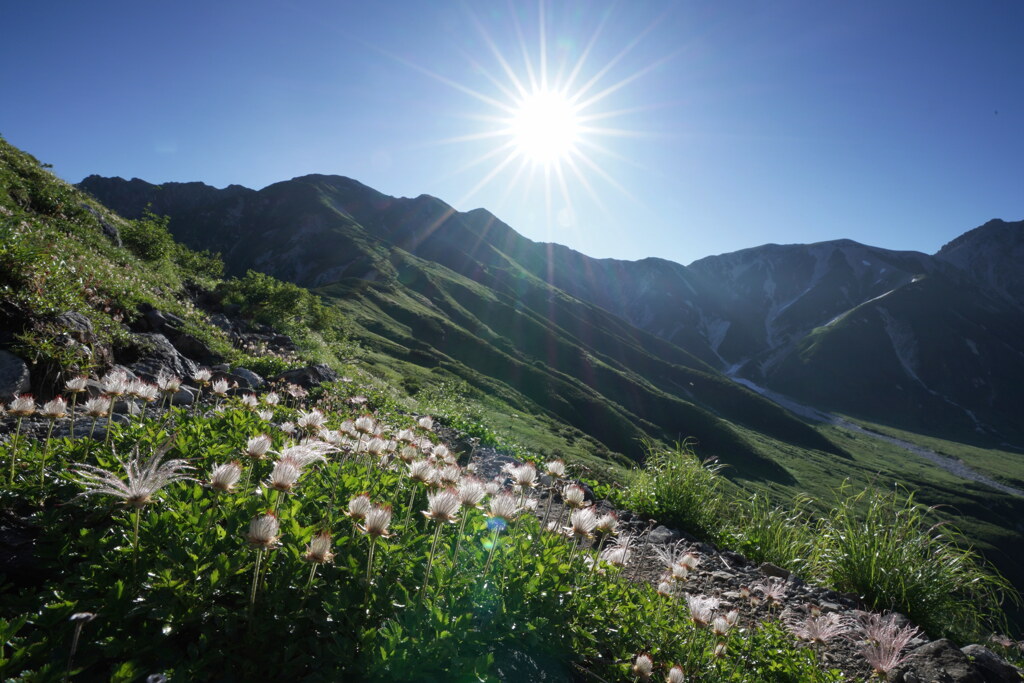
(144, 391)
(257, 447)
(556, 468)
(263, 531)
(202, 376)
(377, 521)
(607, 524)
(167, 384)
(643, 666)
(115, 383)
(250, 401)
(573, 496)
(359, 506)
(425, 422)
(319, 549)
(450, 475)
(525, 475)
(675, 675)
(224, 477)
(77, 384)
(422, 471)
(364, 424)
(54, 409)
(220, 387)
(310, 422)
(471, 492)
(284, 476)
(582, 523)
(702, 609)
(271, 398)
(145, 478)
(442, 506)
(504, 505)
(97, 406)
(22, 406)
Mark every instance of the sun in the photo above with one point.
(545, 127)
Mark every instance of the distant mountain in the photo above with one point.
(931, 343)
(467, 292)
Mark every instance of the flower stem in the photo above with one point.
(312, 573)
(14, 448)
(46, 452)
(490, 555)
(74, 402)
(430, 560)
(255, 581)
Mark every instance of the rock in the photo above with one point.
(108, 228)
(183, 397)
(769, 569)
(942, 662)
(14, 376)
(991, 665)
(662, 535)
(308, 377)
(160, 355)
(252, 380)
(734, 559)
(220, 320)
(77, 326)
(193, 347)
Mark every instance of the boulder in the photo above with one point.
(662, 535)
(941, 661)
(769, 569)
(251, 379)
(14, 376)
(158, 354)
(307, 377)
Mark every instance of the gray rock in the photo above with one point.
(991, 665)
(734, 559)
(193, 347)
(108, 228)
(160, 355)
(662, 535)
(183, 397)
(940, 661)
(14, 376)
(308, 377)
(253, 380)
(77, 326)
(769, 569)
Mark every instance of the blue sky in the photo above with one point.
(718, 126)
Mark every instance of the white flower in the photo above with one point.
(607, 524)
(22, 406)
(582, 523)
(643, 666)
(377, 521)
(77, 384)
(220, 387)
(422, 471)
(442, 506)
(202, 376)
(405, 436)
(97, 406)
(310, 422)
(504, 505)
(224, 477)
(701, 608)
(319, 549)
(450, 475)
(257, 447)
(263, 531)
(573, 496)
(266, 415)
(556, 468)
(145, 479)
(143, 390)
(250, 401)
(305, 453)
(426, 422)
(54, 409)
(271, 398)
(471, 492)
(359, 506)
(167, 384)
(364, 424)
(525, 475)
(284, 476)
(675, 675)
(115, 383)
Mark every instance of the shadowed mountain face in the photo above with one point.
(631, 349)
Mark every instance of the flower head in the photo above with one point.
(54, 409)
(364, 424)
(97, 406)
(426, 422)
(582, 523)
(167, 384)
(817, 629)
(257, 447)
(220, 387)
(319, 549)
(359, 506)
(202, 376)
(607, 524)
(224, 477)
(556, 469)
(377, 521)
(573, 496)
(284, 476)
(702, 609)
(524, 475)
(450, 475)
(675, 675)
(115, 382)
(143, 391)
(271, 398)
(77, 384)
(250, 401)
(504, 506)
(145, 479)
(22, 406)
(305, 453)
(884, 650)
(643, 666)
(471, 491)
(442, 506)
(263, 531)
(310, 422)
(422, 471)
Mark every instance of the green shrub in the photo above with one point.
(881, 546)
(148, 237)
(766, 532)
(676, 488)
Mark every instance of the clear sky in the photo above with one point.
(671, 129)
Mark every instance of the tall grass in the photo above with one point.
(881, 545)
(676, 488)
